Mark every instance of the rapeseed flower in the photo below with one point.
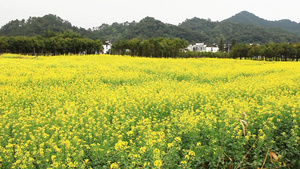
(85, 111)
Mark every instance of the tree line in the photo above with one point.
(176, 48)
(50, 43)
(154, 47)
(65, 42)
(268, 51)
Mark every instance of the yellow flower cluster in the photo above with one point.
(130, 112)
(121, 145)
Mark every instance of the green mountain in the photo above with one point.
(242, 33)
(35, 26)
(147, 28)
(192, 30)
(249, 18)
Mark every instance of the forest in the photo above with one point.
(192, 30)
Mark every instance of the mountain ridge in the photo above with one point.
(244, 27)
(250, 18)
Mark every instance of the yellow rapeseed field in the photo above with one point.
(105, 111)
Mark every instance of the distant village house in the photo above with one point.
(201, 47)
(212, 48)
(106, 47)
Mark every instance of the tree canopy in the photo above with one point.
(50, 43)
(269, 51)
(154, 47)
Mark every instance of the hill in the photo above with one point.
(192, 30)
(241, 32)
(147, 28)
(35, 26)
(249, 18)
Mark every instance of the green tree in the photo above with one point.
(239, 51)
(297, 51)
(268, 51)
(254, 51)
(4, 45)
(221, 45)
(38, 45)
(233, 42)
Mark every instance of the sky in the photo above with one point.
(93, 13)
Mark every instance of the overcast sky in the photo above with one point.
(92, 13)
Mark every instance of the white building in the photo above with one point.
(190, 48)
(213, 49)
(198, 47)
(201, 47)
(106, 47)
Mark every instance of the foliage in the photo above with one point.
(168, 48)
(270, 52)
(50, 43)
(192, 30)
(155, 47)
(249, 18)
(160, 47)
(35, 26)
(106, 111)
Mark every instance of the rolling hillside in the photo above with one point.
(243, 27)
(249, 18)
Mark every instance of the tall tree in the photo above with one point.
(233, 42)
(4, 44)
(221, 45)
(254, 51)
